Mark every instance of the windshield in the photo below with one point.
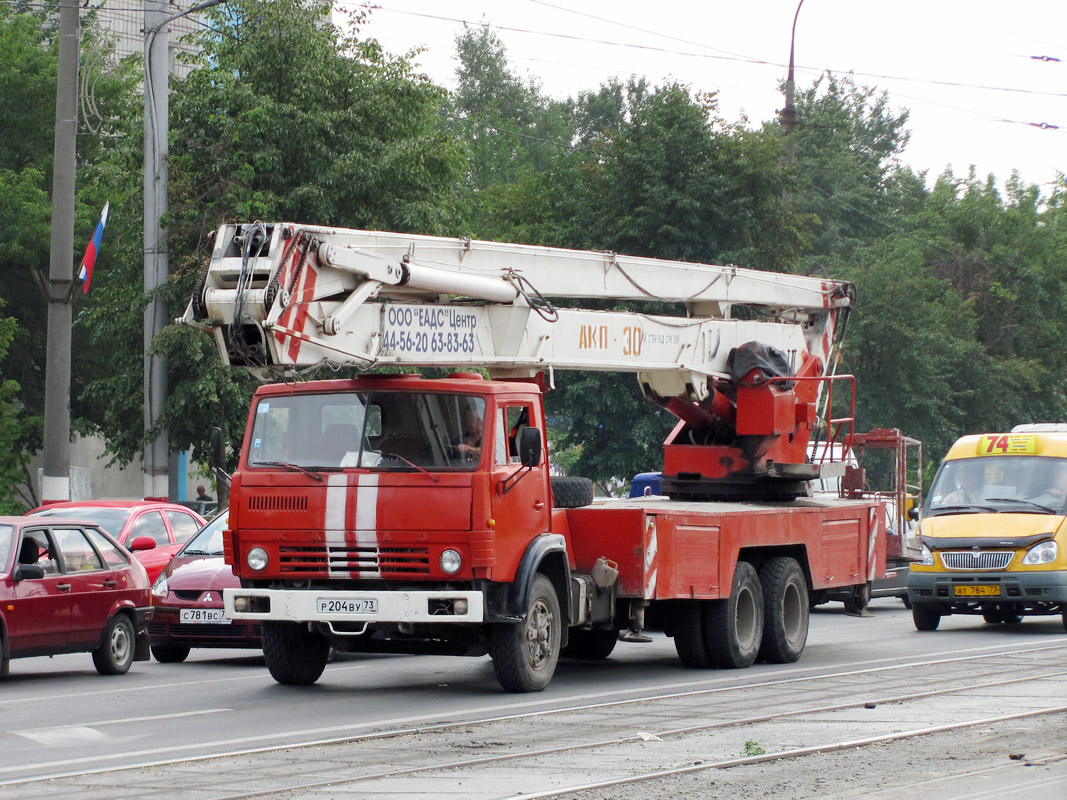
(111, 520)
(7, 533)
(208, 540)
(1001, 484)
(377, 430)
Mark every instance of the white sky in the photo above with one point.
(927, 53)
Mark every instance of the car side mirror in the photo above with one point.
(28, 571)
(142, 543)
(913, 513)
(530, 447)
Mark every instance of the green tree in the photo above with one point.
(28, 68)
(284, 118)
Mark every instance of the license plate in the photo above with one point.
(978, 590)
(347, 605)
(203, 615)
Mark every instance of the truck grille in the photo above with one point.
(969, 560)
(278, 502)
(342, 561)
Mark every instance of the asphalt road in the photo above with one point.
(60, 716)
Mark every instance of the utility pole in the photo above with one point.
(55, 485)
(156, 257)
(156, 266)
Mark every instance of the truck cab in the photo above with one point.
(994, 530)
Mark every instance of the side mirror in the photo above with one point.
(530, 447)
(28, 571)
(142, 543)
(217, 455)
(913, 513)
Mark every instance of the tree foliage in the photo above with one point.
(284, 118)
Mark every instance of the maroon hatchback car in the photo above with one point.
(66, 586)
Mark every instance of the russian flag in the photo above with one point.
(89, 259)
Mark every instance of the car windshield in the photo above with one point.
(7, 536)
(208, 540)
(1028, 484)
(376, 430)
(111, 520)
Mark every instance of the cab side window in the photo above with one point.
(78, 554)
(182, 525)
(151, 524)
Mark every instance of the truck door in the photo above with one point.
(521, 513)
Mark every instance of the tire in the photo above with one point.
(785, 610)
(295, 656)
(116, 651)
(733, 628)
(525, 655)
(568, 492)
(925, 617)
(689, 634)
(1063, 615)
(594, 645)
(858, 599)
(170, 653)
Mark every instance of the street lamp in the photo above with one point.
(788, 115)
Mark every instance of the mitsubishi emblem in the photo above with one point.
(207, 597)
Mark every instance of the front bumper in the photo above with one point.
(168, 629)
(328, 606)
(1015, 587)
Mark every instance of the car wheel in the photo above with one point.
(926, 618)
(115, 653)
(170, 653)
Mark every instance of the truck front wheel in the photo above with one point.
(295, 655)
(525, 655)
(925, 617)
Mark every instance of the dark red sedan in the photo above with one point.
(187, 598)
(168, 525)
(66, 586)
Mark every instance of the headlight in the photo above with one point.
(1044, 553)
(160, 588)
(450, 562)
(927, 557)
(257, 559)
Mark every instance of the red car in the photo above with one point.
(187, 598)
(66, 586)
(168, 525)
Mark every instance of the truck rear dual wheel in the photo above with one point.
(295, 655)
(723, 633)
(525, 655)
(785, 610)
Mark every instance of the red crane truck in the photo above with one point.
(395, 513)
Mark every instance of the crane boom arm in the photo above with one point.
(288, 296)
